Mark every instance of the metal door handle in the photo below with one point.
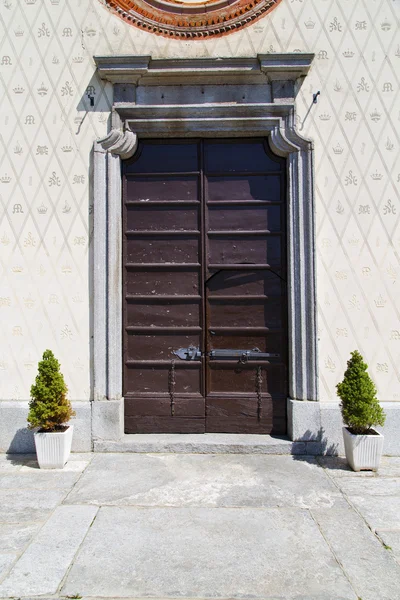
(242, 355)
(194, 353)
(190, 353)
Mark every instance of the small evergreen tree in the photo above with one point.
(360, 407)
(49, 407)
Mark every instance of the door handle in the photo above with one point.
(194, 353)
(190, 353)
(242, 355)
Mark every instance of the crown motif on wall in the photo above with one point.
(5, 179)
(78, 59)
(376, 176)
(90, 31)
(30, 1)
(353, 241)
(18, 90)
(375, 116)
(309, 24)
(380, 301)
(42, 91)
(325, 116)
(55, 2)
(386, 25)
(42, 209)
(337, 149)
(18, 32)
(66, 269)
(348, 53)
(17, 269)
(67, 148)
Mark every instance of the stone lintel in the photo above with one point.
(143, 70)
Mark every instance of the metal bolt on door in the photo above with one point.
(205, 302)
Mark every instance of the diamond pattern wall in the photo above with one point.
(48, 127)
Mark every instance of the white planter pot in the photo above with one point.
(53, 448)
(363, 452)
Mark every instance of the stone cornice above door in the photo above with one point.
(281, 73)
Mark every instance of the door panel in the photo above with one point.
(260, 188)
(162, 218)
(160, 281)
(239, 250)
(152, 378)
(205, 270)
(178, 188)
(244, 218)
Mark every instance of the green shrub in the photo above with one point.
(360, 407)
(49, 407)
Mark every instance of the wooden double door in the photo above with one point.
(205, 299)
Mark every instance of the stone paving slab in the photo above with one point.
(28, 463)
(6, 560)
(380, 512)
(370, 567)
(40, 480)
(382, 486)
(29, 505)
(206, 553)
(42, 567)
(390, 466)
(14, 462)
(391, 538)
(204, 480)
(337, 466)
(14, 537)
(222, 526)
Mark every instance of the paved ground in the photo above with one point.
(199, 526)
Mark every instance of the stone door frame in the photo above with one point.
(137, 80)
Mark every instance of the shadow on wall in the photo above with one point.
(317, 444)
(22, 443)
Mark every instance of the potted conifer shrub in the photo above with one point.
(50, 411)
(360, 411)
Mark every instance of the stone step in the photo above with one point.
(206, 443)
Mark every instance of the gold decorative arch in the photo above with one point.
(187, 19)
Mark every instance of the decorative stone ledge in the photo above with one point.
(143, 70)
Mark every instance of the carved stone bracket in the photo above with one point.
(121, 143)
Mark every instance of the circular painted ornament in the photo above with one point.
(190, 19)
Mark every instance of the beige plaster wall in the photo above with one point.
(47, 129)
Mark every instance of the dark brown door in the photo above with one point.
(205, 301)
